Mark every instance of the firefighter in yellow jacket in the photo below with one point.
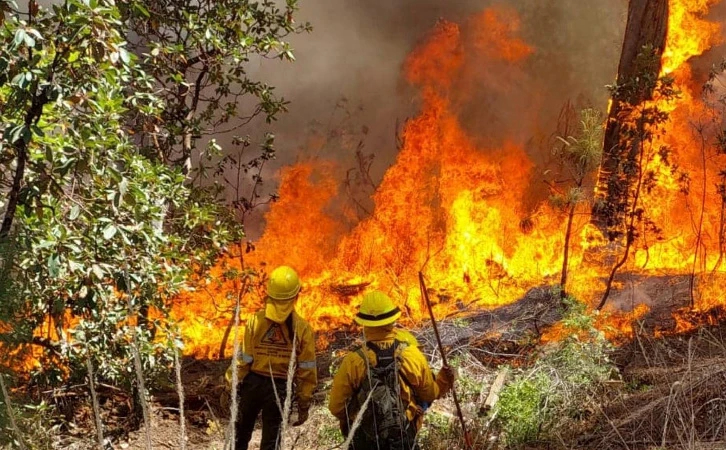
(363, 376)
(265, 359)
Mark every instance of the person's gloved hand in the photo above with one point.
(445, 379)
(303, 412)
(447, 374)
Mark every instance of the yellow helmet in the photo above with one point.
(284, 284)
(377, 310)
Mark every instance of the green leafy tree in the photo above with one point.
(88, 206)
(198, 56)
(198, 53)
(108, 196)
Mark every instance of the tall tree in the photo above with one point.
(198, 53)
(646, 28)
(633, 122)
(107, 199)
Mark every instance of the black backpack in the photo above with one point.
(383, 423)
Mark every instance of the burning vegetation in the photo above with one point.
(569, 239)
(483, 216)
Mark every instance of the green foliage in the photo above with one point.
(469, 386)
(577, 318)
(580, 155)
(442, 430)
(91, 208)
(640, 120)
(548, 400)
(583, 151)
(461, 322)
(198, 55)
(31, 424)
(329, 434)
(523, 408)
(36, 423)
(7, 285)
(96, 145)
(437, 432)
(469, 382)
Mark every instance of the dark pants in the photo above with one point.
(257, 394)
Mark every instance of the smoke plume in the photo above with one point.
(347, 92)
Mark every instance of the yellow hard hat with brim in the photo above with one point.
(377, 310)
(284, 284)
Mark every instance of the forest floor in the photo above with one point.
(670, 390)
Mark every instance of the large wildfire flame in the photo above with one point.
(457, 209)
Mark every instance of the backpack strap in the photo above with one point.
(363, 355)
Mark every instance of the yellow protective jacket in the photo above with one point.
(267, 349)
(419, 383)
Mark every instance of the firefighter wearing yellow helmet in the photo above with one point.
(263, 365)
(389, 376)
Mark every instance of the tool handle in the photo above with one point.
(425, 295)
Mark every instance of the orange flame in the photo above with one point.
(689, 34)
(455, 208)
(674, 205)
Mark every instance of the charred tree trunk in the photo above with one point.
(566, 252)
(646, 31)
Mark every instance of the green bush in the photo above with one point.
(469, 387)
(523, 408)
(549, 399)
(329, 434)
(438, 431)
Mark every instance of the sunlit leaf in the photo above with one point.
(109, 232)
(75, 212)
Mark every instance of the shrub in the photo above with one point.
(550, 399)
(438, 431)
(523, 408)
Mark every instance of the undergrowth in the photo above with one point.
(552, 399)
(35, 424)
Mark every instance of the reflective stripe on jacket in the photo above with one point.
(267, 349)
(419, 382)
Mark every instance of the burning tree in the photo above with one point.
(640, 125)
(634, 120)
(640, 65)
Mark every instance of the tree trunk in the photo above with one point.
(14, 194)
(647, 28)
(566, 252)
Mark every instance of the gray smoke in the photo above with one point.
(357, 49)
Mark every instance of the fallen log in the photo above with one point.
(349, 290)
